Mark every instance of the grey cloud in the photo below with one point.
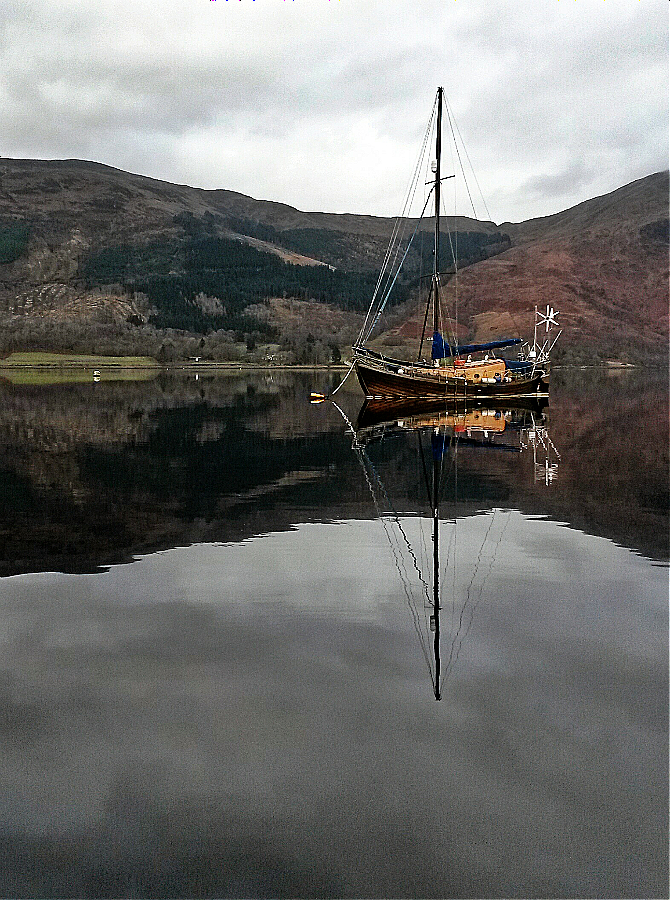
(533, 88)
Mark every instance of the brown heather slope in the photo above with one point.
(603, 264)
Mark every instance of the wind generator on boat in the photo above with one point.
(453, 373)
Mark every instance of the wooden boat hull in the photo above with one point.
(378, 381)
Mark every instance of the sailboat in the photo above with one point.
(456, 371)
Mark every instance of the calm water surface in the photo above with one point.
(218, 669)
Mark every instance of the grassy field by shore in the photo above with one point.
(43, 361)
(39, 367)
(76, 360)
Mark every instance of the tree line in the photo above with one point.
(13, 240)
(172, 274)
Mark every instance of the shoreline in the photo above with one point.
(158, 367)
(248, 367)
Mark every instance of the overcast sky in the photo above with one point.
(322, 103)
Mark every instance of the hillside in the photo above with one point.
(629, 207)
(98, 260)
(138, 202)
(602, 263)
(94, 259)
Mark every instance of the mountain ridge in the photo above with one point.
(231, 200)
(552, 225)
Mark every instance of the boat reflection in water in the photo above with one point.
(441, 431)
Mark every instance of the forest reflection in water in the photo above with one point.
(213, 683)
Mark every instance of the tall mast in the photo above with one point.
(436, 476)
(438, 154)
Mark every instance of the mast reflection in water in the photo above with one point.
(441, 429)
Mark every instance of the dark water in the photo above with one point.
(217, 670)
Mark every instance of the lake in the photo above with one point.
(219, 676)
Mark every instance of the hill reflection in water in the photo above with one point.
(231, 700)
(92, 475)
